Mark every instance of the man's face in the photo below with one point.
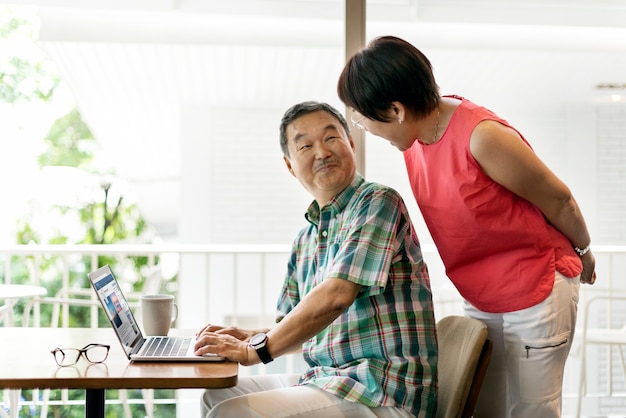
(321, 155)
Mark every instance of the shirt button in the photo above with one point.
(324, 233)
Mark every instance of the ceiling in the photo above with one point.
(133, 65)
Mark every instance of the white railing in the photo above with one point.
(239, 284)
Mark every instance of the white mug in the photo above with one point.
(158, 312)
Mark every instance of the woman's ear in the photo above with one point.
(398, 112)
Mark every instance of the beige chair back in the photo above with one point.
(464, 353)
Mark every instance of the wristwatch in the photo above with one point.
(259, 343)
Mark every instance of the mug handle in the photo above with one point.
(174, 311)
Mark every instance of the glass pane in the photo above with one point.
(66, 356)
(96, 353)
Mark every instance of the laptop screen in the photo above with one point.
(116, 307)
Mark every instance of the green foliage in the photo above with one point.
(69, 143)
(25, 232)
(11, 24)
(28, 76)
(109, 219)
(106, 217)
(111, 411)
(107, 222)
(16, 81)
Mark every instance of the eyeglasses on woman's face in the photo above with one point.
(358, 121)
(94, 353)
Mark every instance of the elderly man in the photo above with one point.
(356, 298)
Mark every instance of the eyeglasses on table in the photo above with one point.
(94, 353)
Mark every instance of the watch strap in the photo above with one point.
(264, 354)
(261, 348)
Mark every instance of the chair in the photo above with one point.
(464, 353)
(610, 307)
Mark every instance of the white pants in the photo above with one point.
(276, 396)
(525, 375)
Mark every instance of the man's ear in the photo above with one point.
(288, 164)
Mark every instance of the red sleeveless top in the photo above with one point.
(498, 249)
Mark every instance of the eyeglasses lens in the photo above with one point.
(66, 356)
(97, 353)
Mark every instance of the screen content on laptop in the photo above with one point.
(117, 309)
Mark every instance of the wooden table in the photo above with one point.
(26, 362)
(10, 293)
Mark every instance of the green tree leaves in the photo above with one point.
(68, 143)
(28, 75)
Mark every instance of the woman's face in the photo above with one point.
(395, 132)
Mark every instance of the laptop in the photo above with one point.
(135, 345)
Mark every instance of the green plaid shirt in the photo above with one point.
(382, 351)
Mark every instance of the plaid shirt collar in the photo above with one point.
(337, 203)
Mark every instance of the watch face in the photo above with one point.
(257, 339)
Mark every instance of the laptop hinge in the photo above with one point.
(138, 346)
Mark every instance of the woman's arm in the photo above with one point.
(510, 162)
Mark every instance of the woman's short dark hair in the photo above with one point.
(389, 69)
(301, 109)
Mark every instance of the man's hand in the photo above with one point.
(225, 345)
(240, 334)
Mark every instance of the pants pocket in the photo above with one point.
(541, 367)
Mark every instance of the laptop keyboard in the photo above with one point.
(167, 346)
